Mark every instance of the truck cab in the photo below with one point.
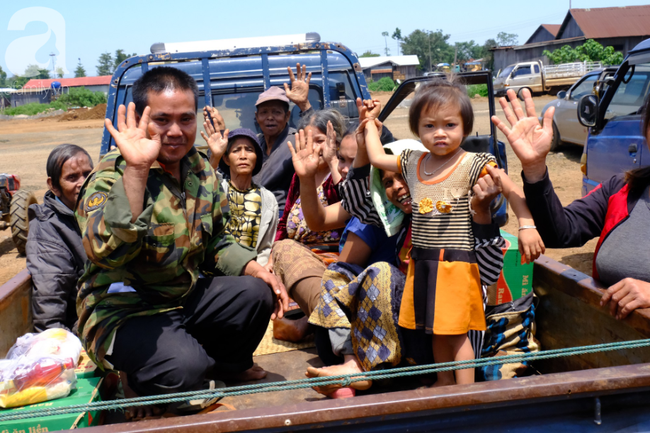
(615, 142)
(525, 75)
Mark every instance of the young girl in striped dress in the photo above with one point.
(444, 290)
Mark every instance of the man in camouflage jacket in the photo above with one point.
(152, 216)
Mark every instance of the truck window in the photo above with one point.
(522, 70)
(537, 69)
(585, 87)
(506, 72)
(629, 96)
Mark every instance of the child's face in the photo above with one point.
(441, 129)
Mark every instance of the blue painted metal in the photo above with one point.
(249, 67)
(607, 147)
(205, 62)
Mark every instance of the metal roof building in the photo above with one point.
(95, 84)
(395, 67)
(620, 27)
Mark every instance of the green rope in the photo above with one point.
(343, 380)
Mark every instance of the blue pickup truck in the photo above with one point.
(232, 73)
(615, 142)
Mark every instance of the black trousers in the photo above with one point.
(218, 328)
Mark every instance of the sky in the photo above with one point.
(32, 30)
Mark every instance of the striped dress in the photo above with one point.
(443, 293)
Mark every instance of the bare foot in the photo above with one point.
(350, 366)
(137, 413)
(291, 330)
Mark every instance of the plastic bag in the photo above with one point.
(39, 367)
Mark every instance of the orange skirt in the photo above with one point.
(443, 293)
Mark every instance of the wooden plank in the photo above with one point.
(15, 310)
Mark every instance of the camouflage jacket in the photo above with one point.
(157, 257)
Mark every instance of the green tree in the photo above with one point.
(35, 71)
(79, 71)
(59, 72)
(430, 47)
(17, 81)
(82, 97)
(369, 53)
(397, 35)
(507, 39)
(121, 56)
(385, 35)
(106, 64)
(488, 56)
(3, 78)
(590, 51)
(469, 50)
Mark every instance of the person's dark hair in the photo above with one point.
(319, 120)
(438, 93)
(351, 129)
(160, 79)
(59, 156)
(639, 178)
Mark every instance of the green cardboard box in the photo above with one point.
(516, 280)
(87, 391)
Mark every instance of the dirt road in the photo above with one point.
(26, 144)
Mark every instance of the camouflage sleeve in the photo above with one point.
(104, 215)
(223, 253)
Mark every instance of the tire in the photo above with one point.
(20, 202)
(557, 140)
(520, 95)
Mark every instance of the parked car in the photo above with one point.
(615, 142)
(538, 78)
(566, 127)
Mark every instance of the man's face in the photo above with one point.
(272, 117)
(173, 117)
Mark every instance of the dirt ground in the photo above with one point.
(26, 143)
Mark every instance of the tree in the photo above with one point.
(430, 47)
(385, 35)
(59, 72)
(590, 51)
(79, 71)
(120, 56)
(469, 50)
(488, 56)
(17, 81)
(507, 39)
(369, 53)
(3, 78)
(106, 64)
(35, 71)
(397, 35)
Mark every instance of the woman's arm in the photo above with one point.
(355, 251)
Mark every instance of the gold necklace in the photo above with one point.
(439, 168)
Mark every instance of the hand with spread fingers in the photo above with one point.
(304, 155)
(299, 91)
(217, 118)
(217, 142)
(137, 148)
(329, 150)
(530, 141)
(626, 296)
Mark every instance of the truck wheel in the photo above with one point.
(557, 140)
(20, 202)
(520, 94)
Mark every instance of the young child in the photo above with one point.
(443, 293)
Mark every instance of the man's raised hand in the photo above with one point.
(299, 91)
(217, 142)
(137, 149)
(530, 141)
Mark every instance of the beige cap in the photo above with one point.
(273, 94)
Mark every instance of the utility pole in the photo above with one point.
(429, 37)
(385, 35)
(53, 63)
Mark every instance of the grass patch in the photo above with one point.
(34, 108)
(477, 89)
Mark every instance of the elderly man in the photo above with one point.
(272, 116)
(153, 226)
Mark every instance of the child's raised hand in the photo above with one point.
(368, 109)
(304, 155)
(530, 141)
(531, 245)
(487, 188)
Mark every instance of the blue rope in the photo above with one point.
(342, 380)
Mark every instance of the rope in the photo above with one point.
(343, 380)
